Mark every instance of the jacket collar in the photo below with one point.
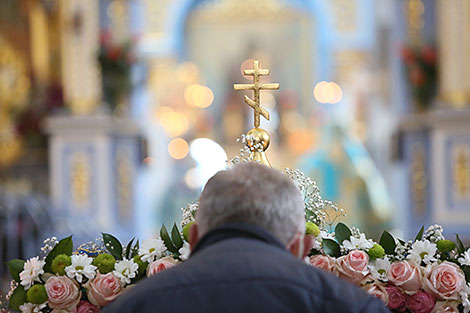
(237, 230)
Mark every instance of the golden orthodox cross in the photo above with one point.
(256, 86)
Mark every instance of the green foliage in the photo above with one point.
(36, 294)
(113, 246)
(129, 248)
(18, 298)
(312, 229)
(445, 245)
(466, 270)
(186, 231)
(105, 263)
(176, 237)
(60, 262)
(142, 265)
(460, 246)
(388, 242)
(16, 267)
(342, 232)
(376, 252)
(331, 248)
(419, 236)
(65, 246)
(167, 240)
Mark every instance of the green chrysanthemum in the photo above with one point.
(142, 265)
(445, 245)
(376, 252)
(186, 231)
(36, 294)
(104, 262)
(60, 262)
(311, 229)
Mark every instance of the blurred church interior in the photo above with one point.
(114, 113)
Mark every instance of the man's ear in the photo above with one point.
(193, 235)
(301, 245)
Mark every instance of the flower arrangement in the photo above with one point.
(116, 60)
(421, 68)
(429, 274)
(93, 275)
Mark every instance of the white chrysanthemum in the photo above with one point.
(465, 260)
(81, 266)
(185, 251)
(379, 268)
(423, 250)
(32, 308)
(125, 270)
(31, 271)
(358, 243)
(465, 297)
(151, 249)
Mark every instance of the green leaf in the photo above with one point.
(331, 248)
(16, 267)
(113, 245)
(176, 237)
(135, 250)
(166, 239)
(466, 270)
(342, 232)
(419, 236)
(460, 246)
(388, 242)
(129, 248)
(17, 298)
(65, 246)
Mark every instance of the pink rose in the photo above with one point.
(160, 265)
(323, 261)
(103, 289)
(396, 299)
(378, 290)
(420, 302)
(445, 307)
(353, 266)
(62, 292)
(87, 307)
(445, 281)
(406, 276)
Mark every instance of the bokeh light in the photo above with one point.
(174, 123)
(178, 148)
(327, 92)
(199, 96)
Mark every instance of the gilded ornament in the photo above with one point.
(257, 138)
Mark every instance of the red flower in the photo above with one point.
(114, 53)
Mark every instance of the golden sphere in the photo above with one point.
(259, 135)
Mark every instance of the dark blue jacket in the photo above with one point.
(241, 269)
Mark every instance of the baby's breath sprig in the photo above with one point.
(189, 213)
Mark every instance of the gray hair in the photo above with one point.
(254, 194)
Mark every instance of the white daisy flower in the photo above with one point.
(423, 250)
(32, 308)
(125, 270)
(185, 251)
(379, 268)
(464, 296)
(151, 249)
(81, 266)
(358, 243)
(31, 271)
(465, 260)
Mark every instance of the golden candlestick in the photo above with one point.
(257, 136)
